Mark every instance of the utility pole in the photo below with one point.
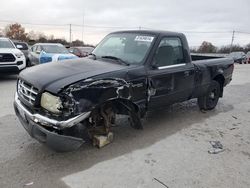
(82, 25)
(232, 42)
(70, 34)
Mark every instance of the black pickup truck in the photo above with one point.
(129, 73)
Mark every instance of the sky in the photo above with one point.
(200, 20)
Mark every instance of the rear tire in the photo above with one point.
(210, 100)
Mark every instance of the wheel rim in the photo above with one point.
(213, 97)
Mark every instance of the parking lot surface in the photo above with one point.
(173, 150)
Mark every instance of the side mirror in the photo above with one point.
(19, 46)
(154, 64)
(38, 52)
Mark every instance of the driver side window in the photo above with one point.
(169, 52)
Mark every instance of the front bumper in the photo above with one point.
(13, 67)
(49, 136)
(9, 70)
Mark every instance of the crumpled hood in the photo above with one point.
(49, 57)
(55, 76)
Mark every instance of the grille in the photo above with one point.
(27, 91)
(7, 57)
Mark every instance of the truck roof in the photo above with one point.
(151, 32)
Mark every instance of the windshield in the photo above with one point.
(5, 43)
(55, 49)
(129, 47)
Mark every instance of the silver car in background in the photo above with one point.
(238, 57)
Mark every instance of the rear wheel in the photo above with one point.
(210, 100)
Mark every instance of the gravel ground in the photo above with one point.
(171, 151)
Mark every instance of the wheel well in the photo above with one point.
(121, 103)
(122, 106)
(220, 79)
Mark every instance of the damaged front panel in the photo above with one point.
(103, 98)
(86, 95)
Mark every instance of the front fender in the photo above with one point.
(90, 93)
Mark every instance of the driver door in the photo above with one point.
(171, 79)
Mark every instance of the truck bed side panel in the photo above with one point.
(207, 70)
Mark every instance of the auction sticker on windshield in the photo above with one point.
(144, 38)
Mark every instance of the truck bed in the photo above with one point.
(201, 56)
(209, 67)
(210, 60)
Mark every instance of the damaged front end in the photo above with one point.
(86, 108)
(49, 131)
(104, 98)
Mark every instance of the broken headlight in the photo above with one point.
(51, 103)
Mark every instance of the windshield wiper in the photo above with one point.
(93, 55)
(116, 58)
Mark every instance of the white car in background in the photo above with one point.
(12, 60)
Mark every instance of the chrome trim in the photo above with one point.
(30, 97)
(171, 66)
(31, 89)
(37, 118)
(29, 93)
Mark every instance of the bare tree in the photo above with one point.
(77, 43)
(16, 31)
(226, 49)
(247, 48)
(1, 33)
(207, 47)
(32, 35)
